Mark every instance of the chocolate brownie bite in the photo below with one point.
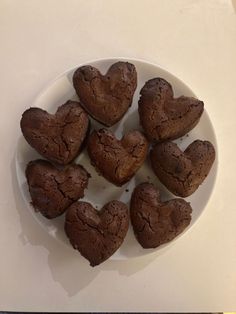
(156, 222)
(106, 97)
(97, 234)
(57, 137)
(117, 160)
(53, 190)
(182, 172)
(164, 117)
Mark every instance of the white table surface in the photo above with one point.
(196, 41)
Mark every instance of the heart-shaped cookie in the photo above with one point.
(182, 172)
(53, 190)
(164, 117)
(97, 234)
(156, 222)
(106, 97)
(56, 137)
(117, 160)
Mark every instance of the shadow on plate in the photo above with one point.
(67, 267)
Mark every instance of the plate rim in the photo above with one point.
(51, 82)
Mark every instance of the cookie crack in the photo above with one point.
(147, 201)
(119, 99)
(111, 94)
(109, 148)
(168, 119)
(57, 127)
(164, 123)
(64, 125)
(114, 216)
(146, 220)
(138, 145)
(182, 115)
(39, 137)
(117, 167)
(58, 184)
(59, 149)
(89, 225)
(93, 91)
(140, 230)
(188, 175)
(90, 82)
(47, 139)
(171, 174)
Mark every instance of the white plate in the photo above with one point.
(99, 190)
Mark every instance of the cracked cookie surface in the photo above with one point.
(97, 234)
(117, 160)
(106, 97)
(164, 117)
(182, 172)
(58, 137)
(155, 222)
(52, 190)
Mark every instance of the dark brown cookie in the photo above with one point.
(182, 172)
(117, 160)
(106, 97)
(52, 190)
(164, 117)
(97, 234)
(155, 222)
(56, 137)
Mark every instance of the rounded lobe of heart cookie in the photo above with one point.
(155, 222)
(53, 190)
(117, 160)
(58, 137)
(182, 172)
(97, 234)
(164, 117)
(106, 97)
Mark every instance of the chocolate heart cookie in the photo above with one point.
(56, 137)
(117, 160)
(53, 190)
(182, 172)
(155, 222)
(97, 234)
(106, 97)
(164, 117)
